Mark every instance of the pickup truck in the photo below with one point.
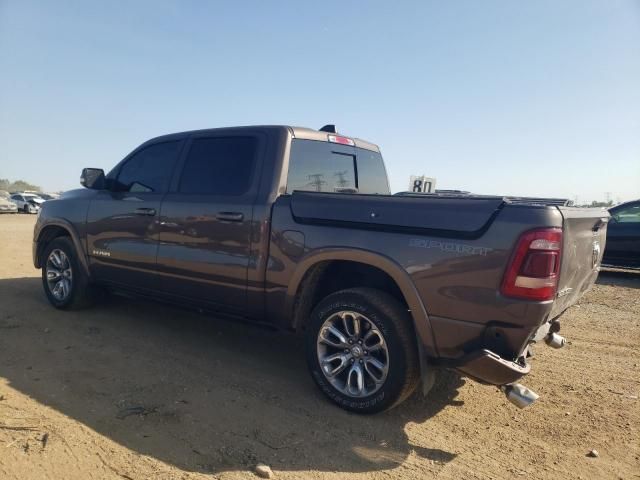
(296, 228)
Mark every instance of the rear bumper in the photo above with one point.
(488, 367)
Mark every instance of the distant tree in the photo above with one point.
(601, 204)
(17, 186)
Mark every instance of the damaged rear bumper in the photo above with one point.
(489, 367)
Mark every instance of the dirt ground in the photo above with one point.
(135, 390)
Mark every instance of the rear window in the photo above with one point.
(325, 167)
(372, 176)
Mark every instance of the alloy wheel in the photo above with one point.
(59, 275)
(352, 353)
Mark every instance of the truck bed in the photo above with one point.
(451, 216)
(456, 217)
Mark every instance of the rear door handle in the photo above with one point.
(145, 211)
(230, 216)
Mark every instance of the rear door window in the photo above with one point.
(149, 170)
(219, 166)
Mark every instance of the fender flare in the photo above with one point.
(75, 238)
(421, 322)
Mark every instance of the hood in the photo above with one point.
(79, 193)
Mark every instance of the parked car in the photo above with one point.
(27, 202)
(297, 228)
(48, 196)
(6, 204)
(623, 236)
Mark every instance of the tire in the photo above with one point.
(25, 209)
(78, 294)
(385, 316)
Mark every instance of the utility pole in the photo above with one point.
(316, 181)
(342, 181)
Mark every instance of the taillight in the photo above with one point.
(341, 140)
(532, 273)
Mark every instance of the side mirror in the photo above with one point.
(92, 178)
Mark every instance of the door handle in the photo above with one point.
(145, 211)
(230, 216)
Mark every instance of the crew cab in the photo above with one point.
(296, 228)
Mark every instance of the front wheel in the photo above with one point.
(361, 350)
(65, 283)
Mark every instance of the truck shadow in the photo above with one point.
(204, 395)
(619, 278)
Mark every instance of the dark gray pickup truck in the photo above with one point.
(297, 228)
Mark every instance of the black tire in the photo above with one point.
(25, 209)
(80, 291)
(394, 322)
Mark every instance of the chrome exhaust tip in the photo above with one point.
(519, 395)
(555, 341)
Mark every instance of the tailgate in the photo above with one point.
(584, 237)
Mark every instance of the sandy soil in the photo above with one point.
(135, 390)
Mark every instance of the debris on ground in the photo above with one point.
(264, 471)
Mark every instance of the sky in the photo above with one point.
(538, 98)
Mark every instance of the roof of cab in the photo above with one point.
(296, 132)
(311, 134)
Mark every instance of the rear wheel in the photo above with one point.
(65, 282)
(361, 350)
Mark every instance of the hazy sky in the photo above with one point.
(521, 98)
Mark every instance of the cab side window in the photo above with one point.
(150, 169)
(219, 166)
